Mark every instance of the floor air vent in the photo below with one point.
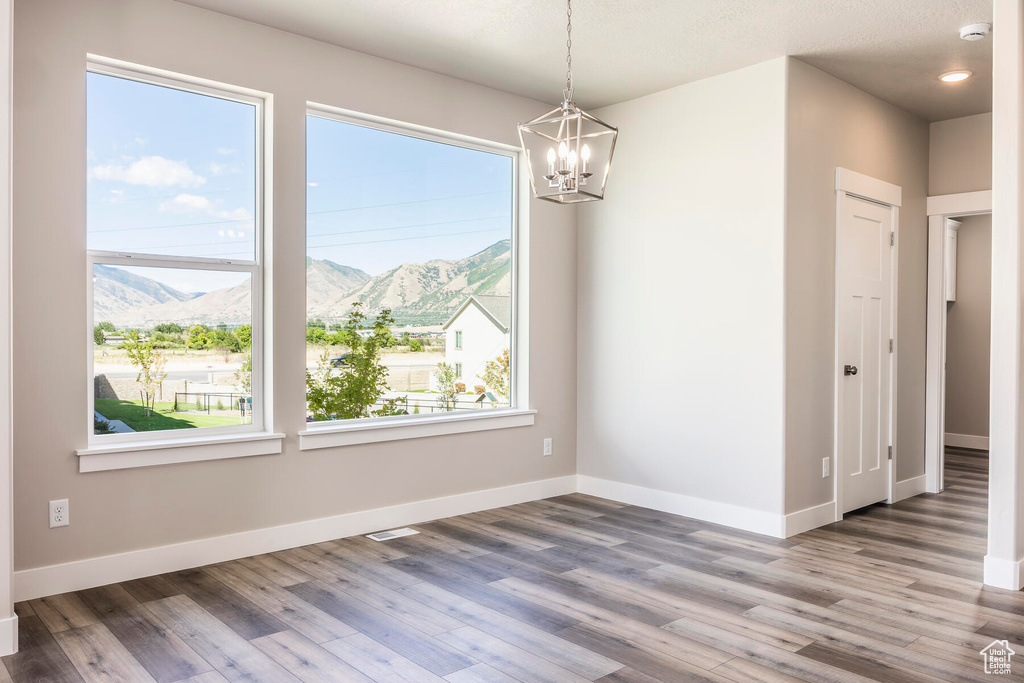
(394, 533)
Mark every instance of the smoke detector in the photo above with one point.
(975, 31)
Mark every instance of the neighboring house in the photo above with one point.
(478, 332)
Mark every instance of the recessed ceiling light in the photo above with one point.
(954, 76)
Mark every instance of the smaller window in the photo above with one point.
(458, 371)
(458, 340)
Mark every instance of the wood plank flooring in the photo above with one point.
(570, 589)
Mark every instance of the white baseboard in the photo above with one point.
(978, 443)
(100, 571)
(8, 636)
(908, 488)
(726, 514)
(809, 518)
(1004, 573)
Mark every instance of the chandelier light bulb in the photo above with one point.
(585, 153)
(562, 150)
(551, 155)
(572, 159)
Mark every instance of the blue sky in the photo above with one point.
(169, 172)
(376, 200)
(173, 172)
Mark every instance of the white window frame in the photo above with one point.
(137, 449)
(458, 340)
(376, 429)
(458, 370)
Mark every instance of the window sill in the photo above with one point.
(358, 432)
(166, 452)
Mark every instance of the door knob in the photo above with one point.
(849, 369)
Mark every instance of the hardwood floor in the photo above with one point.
(565, 590)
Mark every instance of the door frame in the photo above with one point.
(880, 192)
(941, 208)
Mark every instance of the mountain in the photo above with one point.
(118, 292)
(428, 293)
(327, 281)
(425, 293)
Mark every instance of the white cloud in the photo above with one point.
(150, 171)
(312, 184)
(186, 203)
(216, 169)
(226, 150)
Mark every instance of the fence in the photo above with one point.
(240, 402)
(432, 403)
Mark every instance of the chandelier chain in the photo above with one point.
(568, 49)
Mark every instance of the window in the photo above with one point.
(174, 233)
(407, 235)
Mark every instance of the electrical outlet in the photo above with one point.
(825, 463)
(547, 446)
(60, 513)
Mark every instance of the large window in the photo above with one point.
(174, 247)
(410, 273)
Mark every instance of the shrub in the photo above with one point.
(460, 387)
(479, 389)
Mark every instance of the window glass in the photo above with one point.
(406, 239)
(172, 228)
(170, 172)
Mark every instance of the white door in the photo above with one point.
(864, 293)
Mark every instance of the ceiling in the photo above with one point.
(893, 49)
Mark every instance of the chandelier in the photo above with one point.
(568, 151)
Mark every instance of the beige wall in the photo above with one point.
(830, 124)
(131, 509)
(968, 330)
(680, 320)
(960, 155)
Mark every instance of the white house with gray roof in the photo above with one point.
(477, 332)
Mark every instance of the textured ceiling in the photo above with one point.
(894, 49)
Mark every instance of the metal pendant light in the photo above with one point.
(568, 151)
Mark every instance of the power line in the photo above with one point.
(405, 227)
(176, 225)
(403, 239)
(414, 201)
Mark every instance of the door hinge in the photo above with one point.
(892, 239)
(890, 452)
(891, 345)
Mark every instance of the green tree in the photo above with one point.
(445, 377)
(348, 392)
(497, 375)
(316, 335)
(106, 326)
(244, 334)
(98, 337)
(169, 328)
(415, 346)
(151, 364)
(198, 337)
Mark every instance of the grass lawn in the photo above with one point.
(134, 415)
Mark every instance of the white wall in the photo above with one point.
(680, 295)
(830, 124)
(960, 155)
(1004, 563)
(968, 330)
(127, 510)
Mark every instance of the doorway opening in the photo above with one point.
(959, 332)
